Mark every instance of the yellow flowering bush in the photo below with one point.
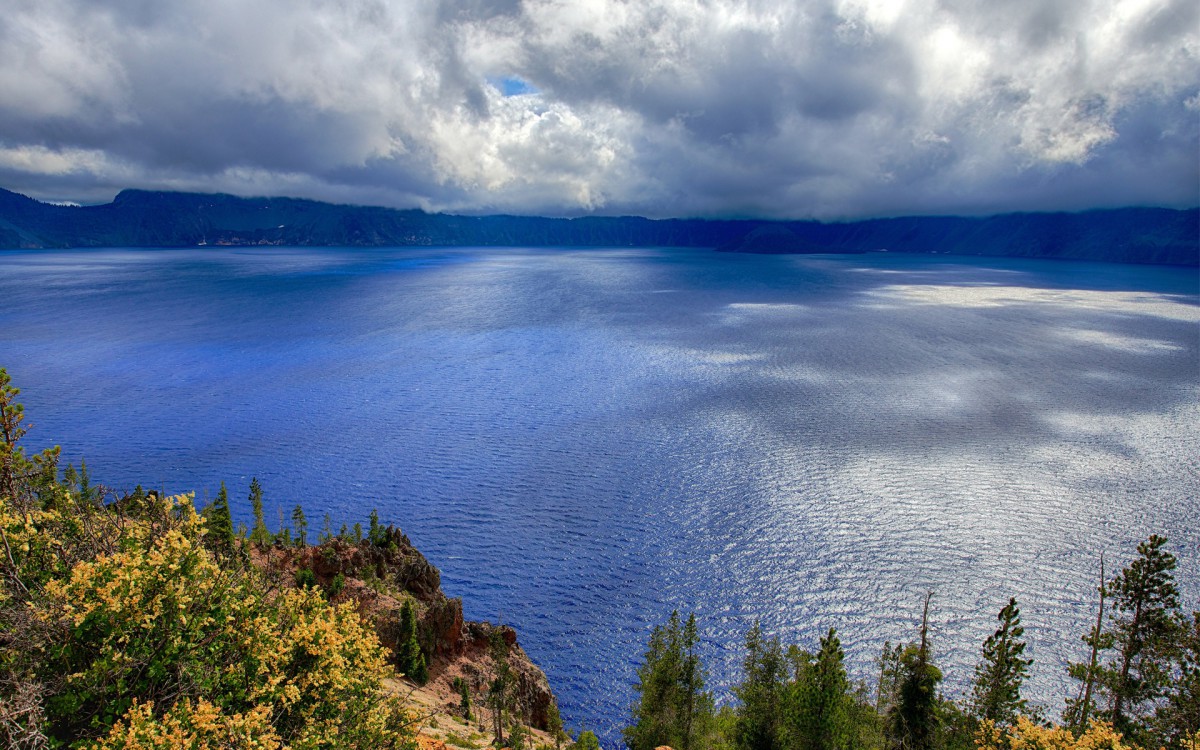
(161, 622)
(191, 726)
(1029, 735)
(322, 670)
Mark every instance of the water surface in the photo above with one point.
(583, 440)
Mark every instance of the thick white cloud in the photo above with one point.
(832, 108)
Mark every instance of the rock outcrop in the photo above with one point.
(379, 577)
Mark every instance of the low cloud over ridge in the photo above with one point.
(827, 109)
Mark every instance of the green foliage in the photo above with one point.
(23, 481)
(499, 696)
(375, 533)
(587, 741)
(554, 724)
(306, 579)
(819, 710)
(1178, 719)
(464, 698)
(914, 720)
(518, 738)
(760, 694)
(996, 690)
(219, 523)
(410, 660)
(1145, 625)
(259, 536)
(301, 524)
(336, 586)
(673, 707)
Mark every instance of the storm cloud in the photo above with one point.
(827, 109)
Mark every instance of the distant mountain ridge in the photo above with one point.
(139, 218)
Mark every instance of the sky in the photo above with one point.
(828, 109)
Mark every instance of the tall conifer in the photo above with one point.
(996, 691)
(1146, 622)
(301, 524)
(219, 523)
(760, 694)
(409, 657)
(258, 534)
(673, 708)
(914, 720)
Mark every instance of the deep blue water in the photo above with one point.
(583, 440)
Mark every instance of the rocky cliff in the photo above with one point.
(379, 577)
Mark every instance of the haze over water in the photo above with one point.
(582, 440)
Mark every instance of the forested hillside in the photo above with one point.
(139, 218)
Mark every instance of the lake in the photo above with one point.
(582, 440)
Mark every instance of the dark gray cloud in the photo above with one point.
(828, 108)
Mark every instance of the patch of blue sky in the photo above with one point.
(513, 85)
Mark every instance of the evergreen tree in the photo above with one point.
(85, 484)
(375, 532)
(326, 530)
(1178, 720)
(1146, 620)
(587, 741)
(673, 707)
(22, 480)
(409, 657)
(914, 721)
(464, 698)
(554, 724)
(1078, 711)
(889, 677)
(996, 691)
(499, 694)
(819, 706)
(219, 523)
(301, 526)
(760, 693)
(258, 534)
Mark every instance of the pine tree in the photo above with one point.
(673, 708)
(889, 677)
(1146, 621)
(464, 698)
(760, 693)
(499, 695)
(819, 705)
(1079, 709)
(326, 530)
(375, 532)
(22, 480)
(587, 741)
(914, 719)
(219, 523)
(996, 691)
(85, 484)
(259, 534)
(1178, 720)
(301, 526)
(409, 657)
(554, 724)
